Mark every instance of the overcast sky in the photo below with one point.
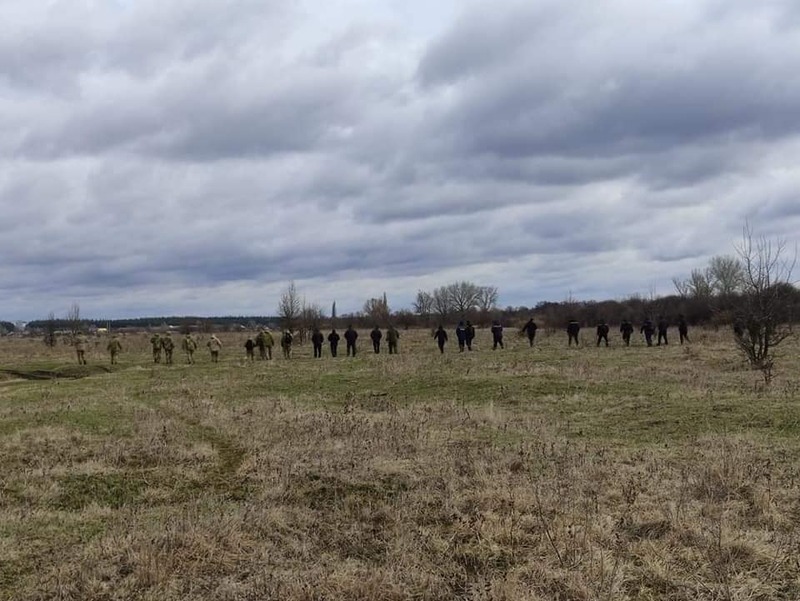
(193, 156)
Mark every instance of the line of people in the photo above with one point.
(163, 344)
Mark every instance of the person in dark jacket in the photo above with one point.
(316, 340)
(529, 329)
(392, 336)
(626, 329)
(573, 329)
(648, 329)
(602, 332)
(497, 335)
(333, 339)
(683, 329)
(441, 337)
(376, 335)
(470, 335)
(461, 336)
(249, 347)
(663, 325)
(350, 337)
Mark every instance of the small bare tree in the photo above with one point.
(311, 317)
(762, 313)
(50, 330)
(487, 301)
(74, 322)
(289, 307)
(442, 303)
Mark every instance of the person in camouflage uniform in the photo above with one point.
(155, 342)
(286, 344)
(168, 346)
(114, 348)
(392, 336)
(648, 329)
(269, 342)
(80, 348)
(261, 343)
(215, 346)
(189, 346)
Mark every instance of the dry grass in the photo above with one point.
(551, 473)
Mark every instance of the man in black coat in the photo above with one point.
(529, 329)
(333, 339)
(350, 337)
(573, 329)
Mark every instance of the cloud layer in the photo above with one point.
(195, 156)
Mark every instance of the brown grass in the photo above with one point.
(524, 474)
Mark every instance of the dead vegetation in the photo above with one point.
(551, 474)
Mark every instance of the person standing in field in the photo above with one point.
(249, 347)
(214, 346)
(376, 335)
(683, 329)
(648, 329)
(497, 335)
(261, 343)
(114, 348)
(663, 325)
(316, 340)
(333, 340)
(602, 332)
(189, 346)
(573, 329)
(155, 343)
(350, 337)
(461, 336)
(269, 342)
(168, 346)
(626, 328)
(470, 335)
(529, 329)
(286, 344)
(441, 338)
(392, 336)
(80, 348)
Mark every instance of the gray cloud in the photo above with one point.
(195, 156)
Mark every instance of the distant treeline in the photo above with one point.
(227, 322)
(6, 326)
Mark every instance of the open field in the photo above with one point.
(552, 473)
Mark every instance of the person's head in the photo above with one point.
(460, 323)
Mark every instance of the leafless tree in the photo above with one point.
(767, 268)
(377, 310)
(50, 330)
(74, 322)
(289, 307)
(725, 274)
(442, 302)
(463, 297)
(311, 316)
(423, 306)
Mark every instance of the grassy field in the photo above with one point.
(545, 473)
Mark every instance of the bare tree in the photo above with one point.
(377, 309)
(311, 317)
(50, 330)
(423, 306)
(442, 302)
(74, 322)
(463, 297)
(725, 274)
(487, 302)
(333, 315)
(762, 314)
(289, 308)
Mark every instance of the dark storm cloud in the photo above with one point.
(194, 156)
